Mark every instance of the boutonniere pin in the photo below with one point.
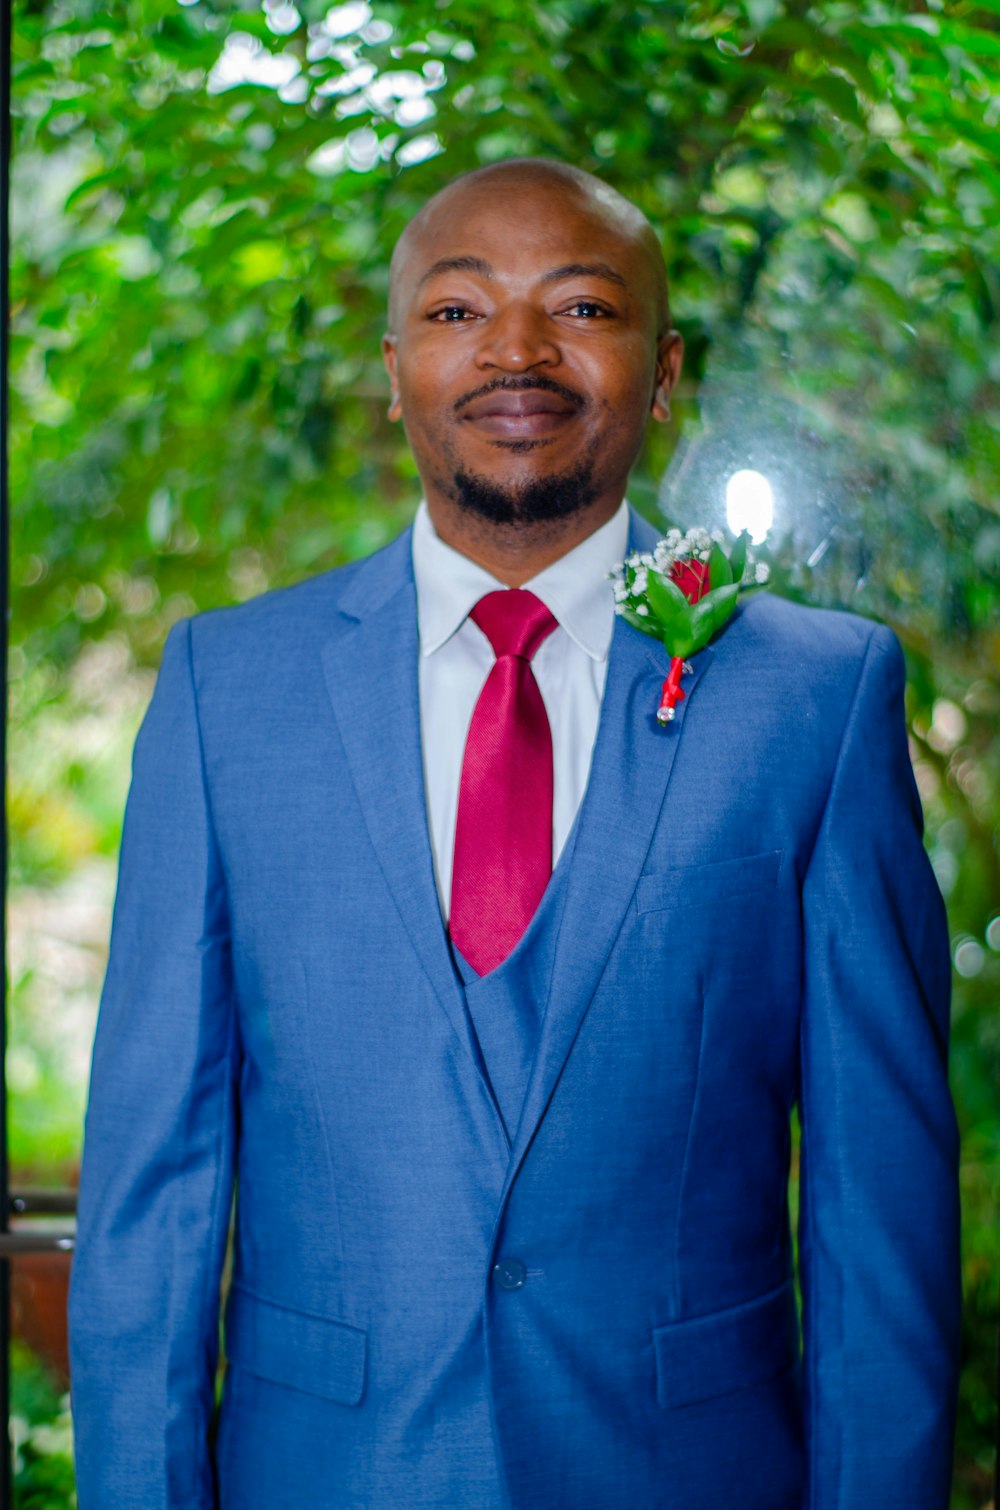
(682, 594)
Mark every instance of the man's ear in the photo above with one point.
(389, 358)
(669, 359)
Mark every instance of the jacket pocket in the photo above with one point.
(312, 1353)
(700, 885)
(729, 1350)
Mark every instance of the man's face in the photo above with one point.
(525, 358)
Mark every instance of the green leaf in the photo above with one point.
(682, 643)
(703, 626)
(723, 602)
(665, 598)
(738, 557)
(720, 571)
(712, 612)
(836, 93)
(115, 175)
(648, 626)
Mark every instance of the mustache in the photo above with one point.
(522, 385)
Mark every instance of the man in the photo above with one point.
(511, 1149)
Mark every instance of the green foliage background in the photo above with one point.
(198, 409)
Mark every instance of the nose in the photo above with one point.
(518, 338)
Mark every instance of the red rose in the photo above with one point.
(691, 577)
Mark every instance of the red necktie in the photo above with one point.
(503, 832)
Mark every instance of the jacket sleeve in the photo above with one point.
(156, 1183)
(878, 1227)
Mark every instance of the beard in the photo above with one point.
(536, 500)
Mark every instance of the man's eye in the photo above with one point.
(586, 309)
(451, 314)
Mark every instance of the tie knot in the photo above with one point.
(514, 621)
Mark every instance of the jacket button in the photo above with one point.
(509, 1274)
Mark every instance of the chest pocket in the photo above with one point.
(705, 885)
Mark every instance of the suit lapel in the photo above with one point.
(633, 758)
(370, 664)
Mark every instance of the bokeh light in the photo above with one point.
(749, 504)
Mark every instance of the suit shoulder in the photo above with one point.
(819, 637)
(288, 617)
(819, 661)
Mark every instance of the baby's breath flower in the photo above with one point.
(697, 543)
(761, 572)
(681, 626)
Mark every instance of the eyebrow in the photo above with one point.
(554, 275)
(584, 270)
(458, 265)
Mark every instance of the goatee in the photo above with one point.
(538, 500)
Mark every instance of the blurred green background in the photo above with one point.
(205, 196)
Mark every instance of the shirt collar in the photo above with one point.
(574, 589)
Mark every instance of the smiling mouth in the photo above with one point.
(521, 413)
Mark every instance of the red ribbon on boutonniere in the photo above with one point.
(682, 594)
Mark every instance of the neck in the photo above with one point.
(514, 553)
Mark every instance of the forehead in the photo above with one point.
(519, 226)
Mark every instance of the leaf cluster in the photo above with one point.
(199, 267)
(682, 626)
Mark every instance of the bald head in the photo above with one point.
(520, 181)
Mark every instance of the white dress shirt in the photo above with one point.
(570, 667)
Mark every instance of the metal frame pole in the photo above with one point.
(6, 1486)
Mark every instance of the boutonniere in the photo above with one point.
(682, 594)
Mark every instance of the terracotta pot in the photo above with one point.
(39, 1287)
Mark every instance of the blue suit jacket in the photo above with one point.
(744, 920)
